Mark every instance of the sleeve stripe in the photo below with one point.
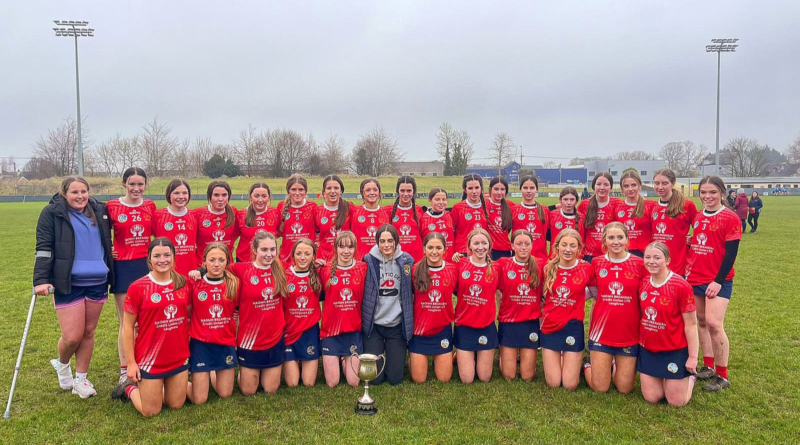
(43, 254)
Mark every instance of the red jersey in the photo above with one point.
(212, 313)
(133, 225)
(527, 218)
(301, 308)
(364, 224)
(182, 231)
(441, 223)
(261, 319)
(325, 225)
(433, 310)
(406, 221)
(476, 305)
(593, 239)
(519, 301)
(672, 232)
(615, 317)
(267, 221)
(341, 311)
(162, 343)
(299, 223)
(558, 221)
(708, 244)
(466, 218)
(567, 300)
(500, 240)
(662, 307)
(211, 228)
(640, 230)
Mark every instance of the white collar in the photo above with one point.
(160, 283)
(669, 277)
(627, 257)
(183, 213)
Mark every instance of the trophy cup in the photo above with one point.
(367, 370)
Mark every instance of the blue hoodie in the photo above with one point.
(88, 267)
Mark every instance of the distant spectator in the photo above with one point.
(730, 201)
(785, 191)
(741, 207)
(755, 206)
(585, 194)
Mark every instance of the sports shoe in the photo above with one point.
(705, 373)
(83, 388)
(587, 363)
(64, 374)
(119, 391)
(717, 383)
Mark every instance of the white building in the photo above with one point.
(424, 168)
(616, 167)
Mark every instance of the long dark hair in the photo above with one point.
(177, 279)
(405, 180)
(422, 278)
(313, 275)
(717, 182)
(296, 178)
(591, 210)
(230, 217)
(474, 177)
(278, 274)
(133, 171)
(343, 209)
(250, 216)
(570, 190)
(364, 184)
(505, 209)
(535, 181)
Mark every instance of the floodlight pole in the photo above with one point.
(80, 138)
(719, 47)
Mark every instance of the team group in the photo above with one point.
(379, 279)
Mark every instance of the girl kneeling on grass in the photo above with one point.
(302, 313)
(158, 358)
(668, 334)
(212, 327)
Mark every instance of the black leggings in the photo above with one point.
(752, 219)
(389, 340)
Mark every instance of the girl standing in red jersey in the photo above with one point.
(668, 333)
(340, 335)
(672, 218)
(636, 213)
(297, 216)
(365, 219)
(438, 219)
(405, 216)
(216, 222)
(566, 216)
(715, 244)
(434, 284)
(259, 339)
(531, 216)
(614, 327)
(566, 278)
(131, 221)
(212, 327)
(499, 222)
(158, 358)
(302, 313)
(176, 223)
(520, 307)
(475, 331)
(469, 214)
(256, 217)
(331, 217)
(596, 212)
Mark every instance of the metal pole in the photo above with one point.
(7, 414)
(719, 57)
(78, 90)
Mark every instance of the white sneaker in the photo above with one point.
(64, 374)
(83, 388)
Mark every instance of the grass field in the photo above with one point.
(762, 405)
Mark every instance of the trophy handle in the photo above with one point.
(352, 356)
(384, 363)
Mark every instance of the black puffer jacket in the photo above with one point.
(55, 244)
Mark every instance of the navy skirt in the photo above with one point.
(472, 339)
(568, 339)
(441, 343)
(523, 334)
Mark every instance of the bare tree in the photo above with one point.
(637, 155)
(502, 150)
(683, 157)
(250, 150)
(550, 164)
(334, 155)
(59, 149)
(672, 154)
(183, 159)
(38, 168)
(445, 140)
(793, 152)
(376, 153)
(157, 147)
(462, 153)
(202, 151)
(747, 158)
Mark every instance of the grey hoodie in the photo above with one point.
(388, 311)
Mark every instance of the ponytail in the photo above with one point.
(638, 211)
(533, 267)
(535, 181)
(475, 177)
(422, 278)
(339, 241)
(591, 210)
(296, 178)
(505, 209)
(230, 217)
(677, 202)
(343, 208)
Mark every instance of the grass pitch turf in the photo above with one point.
(762, 405)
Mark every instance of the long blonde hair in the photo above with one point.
(313, 275)
(341, 237)
(474, 233)
(613, 225)
(551, 269)
(638, 211)
(231, 281)
(677, 202)
(278, 274)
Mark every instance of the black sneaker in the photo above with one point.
(705, 373)
(119, 391)
(717, 383)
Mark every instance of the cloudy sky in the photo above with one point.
(563, 78)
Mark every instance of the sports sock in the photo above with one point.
(708, 361)
(80, 375)
(130, 389)
(722, 371)
(123, 370)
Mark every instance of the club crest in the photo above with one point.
(122, 218)
(168, 226)
(202, 296)
(155, 298)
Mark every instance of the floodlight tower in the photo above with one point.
(720, 46)
(72, 28)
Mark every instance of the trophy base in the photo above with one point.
(366, 409)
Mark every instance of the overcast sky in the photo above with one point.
(563, 78)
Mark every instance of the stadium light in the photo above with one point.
(73, 28)
(720, 46)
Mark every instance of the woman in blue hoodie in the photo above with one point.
(387, 312)
(73, 258)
